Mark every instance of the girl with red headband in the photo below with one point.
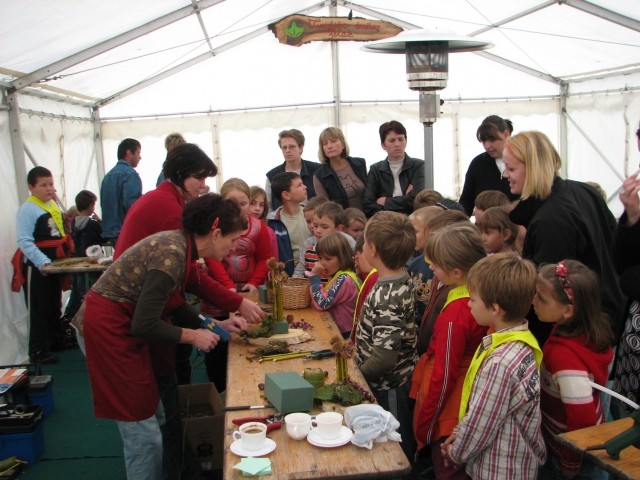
(577, 352)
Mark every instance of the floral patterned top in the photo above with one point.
(123, 281)
(164, 251)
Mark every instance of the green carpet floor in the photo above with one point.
(76, 444)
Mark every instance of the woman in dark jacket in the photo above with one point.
(485, 170)
(341, 178)
(626, 374)
(564, 219)
(393, 183)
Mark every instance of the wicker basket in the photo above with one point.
(295, 293)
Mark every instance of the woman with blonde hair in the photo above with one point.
(341, 178)
(563, 218)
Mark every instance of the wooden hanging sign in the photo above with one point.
(296, 30)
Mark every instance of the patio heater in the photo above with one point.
(427, 54)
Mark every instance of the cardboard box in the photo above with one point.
(288, 392)
(203, 420)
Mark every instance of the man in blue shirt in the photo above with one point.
(120, 188)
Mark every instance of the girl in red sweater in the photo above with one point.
(578, 351)
(245, 267)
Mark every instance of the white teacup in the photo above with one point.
(252, 435)
(328, 424)
(298, 425)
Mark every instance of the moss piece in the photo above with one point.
(325, 392)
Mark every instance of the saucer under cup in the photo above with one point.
(268, 447)
(252, 436)
(344, 437)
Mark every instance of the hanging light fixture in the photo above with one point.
(427, 55)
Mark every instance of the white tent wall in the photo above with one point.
(13, 313)
(244, 144)
(58, 136)
(62, 142)
(601, 140)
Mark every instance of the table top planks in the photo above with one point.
(80, 265)
(628, 467)
(298, 459)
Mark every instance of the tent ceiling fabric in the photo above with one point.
(558, 39)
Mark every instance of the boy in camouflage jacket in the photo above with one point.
(386, 334)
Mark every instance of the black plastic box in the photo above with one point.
(24, 422)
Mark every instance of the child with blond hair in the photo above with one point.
(439, 291)
(259, 209)
(245, 267)
(418, 266)
(499, 432)
(438, 377)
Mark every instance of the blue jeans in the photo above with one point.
(143, 446)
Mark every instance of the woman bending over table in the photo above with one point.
(124, 314)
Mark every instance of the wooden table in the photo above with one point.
(82, 268)
(628, 467)
(298, 459)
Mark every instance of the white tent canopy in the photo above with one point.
(78, 77)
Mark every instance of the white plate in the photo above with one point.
(314, 438)
(269, 446)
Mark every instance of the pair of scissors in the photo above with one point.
(273, 422)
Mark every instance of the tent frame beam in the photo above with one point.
(17, 146)
(603, 13)
(513, 18)
(107, 45)
(195, 60)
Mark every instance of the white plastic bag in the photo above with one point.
(371, 423)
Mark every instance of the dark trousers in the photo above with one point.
(183, 363)
(78, 291)
(216, 363)
(179, 462)
(45, 308)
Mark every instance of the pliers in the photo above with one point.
(273, 422)
(319, 354)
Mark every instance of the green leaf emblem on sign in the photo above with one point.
(294, 31)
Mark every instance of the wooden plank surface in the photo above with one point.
(297, 459)
(68, 265)
(628, 467)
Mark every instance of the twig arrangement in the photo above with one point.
(343, 350)
(276, 278)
